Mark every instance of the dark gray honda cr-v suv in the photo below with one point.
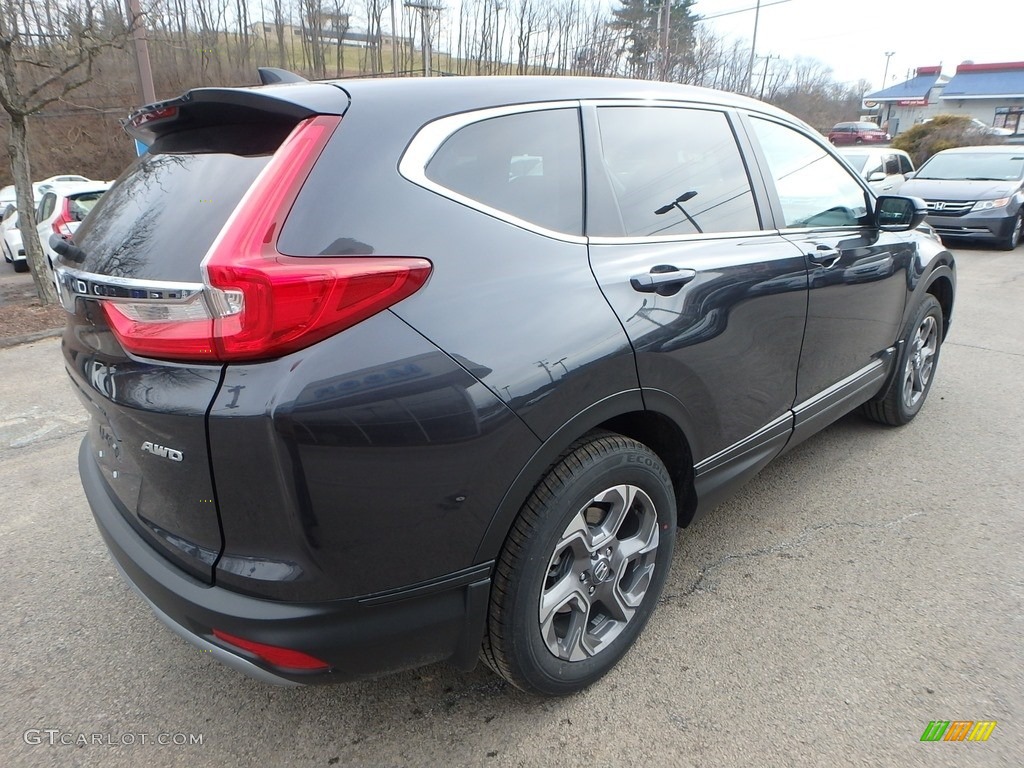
(389, 372)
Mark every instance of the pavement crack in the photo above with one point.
(805, 535)
(985, 349)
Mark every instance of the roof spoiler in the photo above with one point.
(274, 75)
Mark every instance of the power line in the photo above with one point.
(742, 10)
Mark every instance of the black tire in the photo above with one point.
(21, 266)
(1016, 234)
(903, 398)
(606, 492)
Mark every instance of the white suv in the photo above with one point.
(62, 206)
(883, 168)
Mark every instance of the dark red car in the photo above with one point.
(857, 133)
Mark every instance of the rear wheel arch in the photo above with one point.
(665, 437)
(622, 413)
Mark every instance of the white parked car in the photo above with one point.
(982, 127)
(8, 194)
(883, 168)
(62, 179)
(10, 237)
(62, 206)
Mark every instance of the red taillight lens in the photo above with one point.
(61, 223)
(268, 304)
(286, 658)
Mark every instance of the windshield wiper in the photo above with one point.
(982, 178)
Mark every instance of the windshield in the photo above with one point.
(857, 160)
(974, 165)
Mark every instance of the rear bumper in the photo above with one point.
(359, 637)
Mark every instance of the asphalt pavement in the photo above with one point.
(860, 587)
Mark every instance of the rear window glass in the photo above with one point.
(160, 218)
(528, 165)
(81, 205)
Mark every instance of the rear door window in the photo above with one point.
(674, 171)
(527, 165)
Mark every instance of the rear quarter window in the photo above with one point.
(528, 165)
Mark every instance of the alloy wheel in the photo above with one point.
(920, 361)
(599, 573)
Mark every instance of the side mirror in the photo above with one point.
(909, 175)
(877, 176)
(894, 213)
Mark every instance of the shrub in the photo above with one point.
(941, 132)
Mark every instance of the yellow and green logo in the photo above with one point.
(958, 730)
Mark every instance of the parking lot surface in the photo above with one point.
(860, 587)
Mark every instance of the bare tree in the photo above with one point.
(43, 59)
(279, 22)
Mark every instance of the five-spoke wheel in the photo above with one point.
(583, 566)
(919, 354)
(599, 572)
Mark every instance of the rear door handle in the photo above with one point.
(825, 255)
(663, 279)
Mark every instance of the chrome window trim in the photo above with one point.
(429, 138)
(683, 238)
(829, 231)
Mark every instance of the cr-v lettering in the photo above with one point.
(453, 359)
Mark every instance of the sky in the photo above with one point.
(852, 36)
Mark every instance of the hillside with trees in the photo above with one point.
(221, 42)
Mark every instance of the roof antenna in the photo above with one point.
(273, 75)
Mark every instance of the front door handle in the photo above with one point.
(825, 255)
(663, 279)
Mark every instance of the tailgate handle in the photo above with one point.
(663, 279)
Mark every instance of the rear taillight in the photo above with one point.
(62, 224)
(275, 655)
(259, 303)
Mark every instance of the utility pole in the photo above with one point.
(888, 55)
(394, 42)
(143, 68)
(666, 22)
(764, 77)
(885, 75)
(425, 8)
(753, 45)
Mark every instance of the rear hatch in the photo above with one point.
(148, 335)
